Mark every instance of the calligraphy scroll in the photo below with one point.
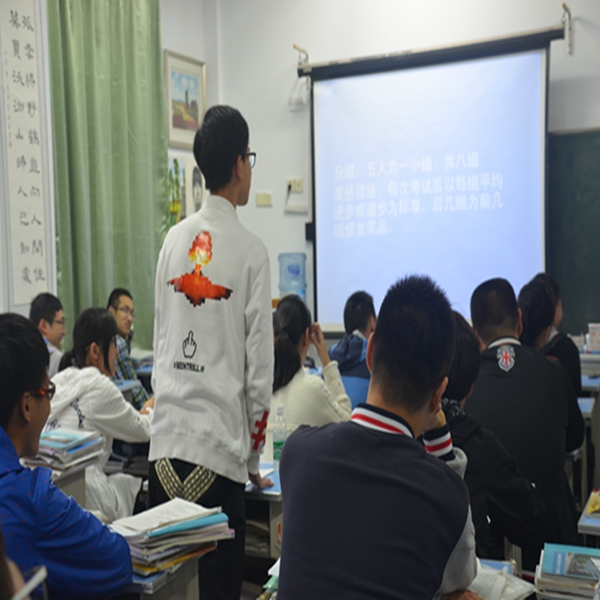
(23, 149)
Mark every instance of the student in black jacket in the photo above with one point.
(503, 502)
(523, 398)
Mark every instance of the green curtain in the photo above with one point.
(110, 152)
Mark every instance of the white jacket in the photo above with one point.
(308, 400)
(213, 361)
(85, 399)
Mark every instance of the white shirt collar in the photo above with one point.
(505, 340)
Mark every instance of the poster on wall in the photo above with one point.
(24, 142)
(194, 183)
(177, 190)
(185, 83)
(186, 187)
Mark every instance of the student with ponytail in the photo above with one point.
(537, 310)
(308, 399)
(87, 399)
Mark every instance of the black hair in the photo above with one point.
(290, 320)
(93, 325)
(222, 137)
(554, 286)
(44, 306)
(24, 361)
(357, 312)
(494, 310)
(115, 295)
(413, 342)
(537, 307)
(466, 362)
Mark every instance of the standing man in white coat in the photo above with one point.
(213, 346)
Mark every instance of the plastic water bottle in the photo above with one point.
(279, 435)
(292, 274)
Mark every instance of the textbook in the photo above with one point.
(173, 512)
(94, 446)
(570, 562)
(167, 564)
(589, 522)
(62, 449)
(62, 440)
(171, 533)
(568, 572)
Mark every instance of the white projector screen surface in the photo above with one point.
(436, 170)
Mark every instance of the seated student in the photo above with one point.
(307, 399)
(120, 306)
(559, 344)
(350, 352)
(87, 399)
(503, 502)
(522, 397)
(40, 524)
(46, 313)
(537, 308)
(368, 512)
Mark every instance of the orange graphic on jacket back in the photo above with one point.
(196, 287)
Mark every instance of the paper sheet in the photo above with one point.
(174, 511)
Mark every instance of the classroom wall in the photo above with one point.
(257, 74)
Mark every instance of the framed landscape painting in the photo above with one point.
(185, 81)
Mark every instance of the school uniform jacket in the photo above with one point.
(369, 513)
(503, 502)
(523, 397)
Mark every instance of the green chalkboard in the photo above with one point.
(573, 246)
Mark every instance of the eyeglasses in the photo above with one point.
(129, 312)
(252, 158)
(60, 322)
(49, 391)
(35, 587)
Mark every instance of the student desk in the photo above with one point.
(586, 406)
(144, 370)
(582, 482)
(126, 386)
(72, 482)
(590, 364)
(264, 515)
(144, 374)
(590, 384)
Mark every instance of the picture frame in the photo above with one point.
(185, 83)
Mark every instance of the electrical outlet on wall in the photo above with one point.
(294, 186)
(264, 199)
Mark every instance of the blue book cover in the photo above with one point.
(571, 561)
(64, 439)
(188, 525)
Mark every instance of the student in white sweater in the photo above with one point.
(308, 399)
(87, 399)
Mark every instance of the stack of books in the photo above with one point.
(568, 572)
(589, 522)
(167, 535)
(66, 450)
